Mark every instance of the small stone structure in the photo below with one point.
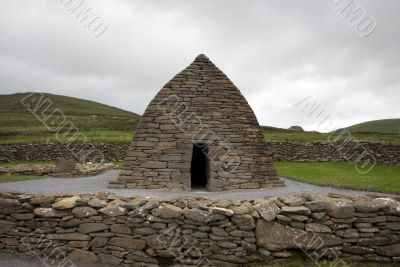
(83, 230)
(198, 131)
(65, 166)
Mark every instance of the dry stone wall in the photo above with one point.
(106, 229)
(379, 152)
(386, 154)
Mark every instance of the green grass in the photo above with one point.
(105, 136)
(283, 136)
(16, 121)
(314, 136)
(16, 178)
(389, 126)
(309, 263)
(338, 174)
(32, 162)
(103, 123)
(116, 136)
(299, 259)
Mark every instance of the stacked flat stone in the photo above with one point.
(199, 105)
(104, 228)
(384, 153)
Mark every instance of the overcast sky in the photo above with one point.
(276, 52)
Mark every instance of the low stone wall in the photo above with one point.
(51, 151)
(378, 152)
(286, 151)
(103, 228)
(50, 169)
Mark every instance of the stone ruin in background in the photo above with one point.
(198, 132)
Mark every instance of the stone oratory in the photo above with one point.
(198, 132)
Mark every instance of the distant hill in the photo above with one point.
(86, 115)
(388, 126)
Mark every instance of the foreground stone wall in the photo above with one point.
(102, 228)
(286, 151)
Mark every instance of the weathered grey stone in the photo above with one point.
(276, 237)
(144, 231)
(82, 256)
(167, 211)
(5, 226)
(97, 203)
(114, 209)
(395, 226)
(301, 210)
(92, 227)
(109, 259)
(128, 243)
(65, 166)
(83, 212)
(69, 236)
(23, 217)
(74, 222)
(374, 241)
(223, 211)
(318, 228)
(389, 251)
(268, 210)
(244, 222)
(198, 215)
(341, 210)
(218, 231)
(66, 203)
(240, 210)
(121, 229)
(42, 199)
(293, 201)
(49, 212)
(98, 242)
(316, 206)
(358, 250)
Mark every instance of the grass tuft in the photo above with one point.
(343, 175)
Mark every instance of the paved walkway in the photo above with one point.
(99, 183)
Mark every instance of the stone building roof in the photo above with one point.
(198, 130)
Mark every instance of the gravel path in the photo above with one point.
(99, 183)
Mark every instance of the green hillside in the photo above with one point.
(17, 121)
(103, 123)
(389, 126)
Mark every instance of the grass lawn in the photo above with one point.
(16, 178)
(308, 263)
(116, 136)
(275, 136)
(32, 162)
(105, 136)
(340, 174)
(299, 259)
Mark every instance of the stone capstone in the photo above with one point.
(66, 203)
(275, 237)
(268, 210)
(167, 211)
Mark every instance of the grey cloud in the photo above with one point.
(276, 52)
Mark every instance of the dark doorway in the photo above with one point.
(199, 166)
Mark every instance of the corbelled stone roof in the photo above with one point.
(199, 106)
